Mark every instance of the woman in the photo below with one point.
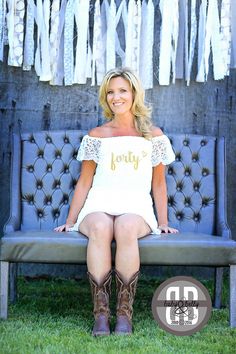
(123, 161)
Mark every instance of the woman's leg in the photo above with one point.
(127, 229)
(98, 227)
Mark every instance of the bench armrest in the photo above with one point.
(14, 220)
(222, 227)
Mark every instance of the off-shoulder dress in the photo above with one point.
(123, 176)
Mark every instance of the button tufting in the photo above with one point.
(40, 213)
(203, 142)
(179, 215)
(170, 171)
(205, 172)
(49, 168)
(179, 186)
(187, 171)
(196, 185)
(186, 142)
(40, 153)
(57, 154)
(178, 156)
(39, 184)
(196, 217)
(187, 201)
(195, 157)
(48, 139)
(30, 168)
(56, 213)
(66, 168)
(171, 201)
(56, 184)
(31, 139)
(66, 140)
(48, 200)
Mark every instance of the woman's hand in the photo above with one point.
(166, 229)
(65, 227)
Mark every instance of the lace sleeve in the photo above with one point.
(89, 149)
(162, 151)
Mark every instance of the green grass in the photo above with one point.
(55, 316)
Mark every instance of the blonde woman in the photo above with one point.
(122, 162)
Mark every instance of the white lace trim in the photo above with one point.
(89, 149)
(162, 151)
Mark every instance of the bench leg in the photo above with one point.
(13, 282)
(4, 283)
(232, 301)
(219, 272)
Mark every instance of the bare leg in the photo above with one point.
(127, 229)
(98, 227)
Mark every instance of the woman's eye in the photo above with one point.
(109, 92)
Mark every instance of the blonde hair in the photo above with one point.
(141, 112)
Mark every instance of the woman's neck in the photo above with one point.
(125, 121)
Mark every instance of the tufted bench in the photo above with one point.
(44, 174)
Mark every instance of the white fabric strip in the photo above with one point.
(15, 23)
(132, 47)
(233, 34)
(168, 40)
(2, 25)
(29, 37)
(111, 35)
(225, 26)
(98, 60)
(42, 55)
(201, 41)
(146, 45)
(193, 36)
(68, 43)
(54, 39)
(81, 57)
(213, 40)
(180, 59)
(121, 13)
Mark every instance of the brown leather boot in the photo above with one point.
(124, 306)
(101, 294)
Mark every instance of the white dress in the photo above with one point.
(122, 181)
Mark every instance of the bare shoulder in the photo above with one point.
(156, 131)
(103, 131)
(97, 132)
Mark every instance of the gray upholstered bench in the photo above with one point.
(44, 173)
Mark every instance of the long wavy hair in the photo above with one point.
(140, 110)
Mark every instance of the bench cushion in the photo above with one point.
(70, 247)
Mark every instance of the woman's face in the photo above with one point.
(119, 95)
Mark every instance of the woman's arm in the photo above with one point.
(159, 191)
(82, 188)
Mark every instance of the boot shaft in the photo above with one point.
(101, 294)
(125, 294)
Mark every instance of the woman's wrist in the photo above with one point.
(69, 222)
(163, 225)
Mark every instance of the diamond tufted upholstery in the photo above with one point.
(44, 174)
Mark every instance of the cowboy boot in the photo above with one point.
(125, 299)
(101, 294)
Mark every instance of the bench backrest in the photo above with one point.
(45, 171)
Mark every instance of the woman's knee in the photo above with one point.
(97, 227)
(125, 230)
(128, 228)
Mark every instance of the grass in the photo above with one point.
(55, 316)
